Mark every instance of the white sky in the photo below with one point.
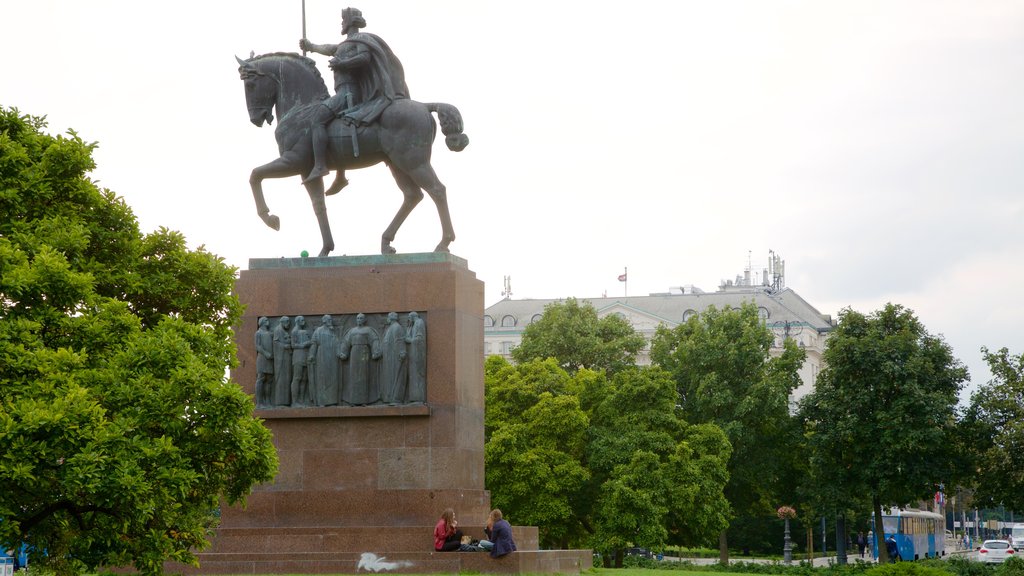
(877, 146)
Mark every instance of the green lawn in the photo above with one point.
(650, 572)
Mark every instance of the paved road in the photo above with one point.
(822, 561)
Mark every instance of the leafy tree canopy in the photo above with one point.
(658, 479)
(724, 374)
(120, 432)
(599, 462)
(881, 420)
(536, 436)
(995, 424)
(572, 333)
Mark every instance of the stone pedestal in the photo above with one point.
(364, 485)
(376, 468)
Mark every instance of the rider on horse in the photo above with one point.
(367, 78)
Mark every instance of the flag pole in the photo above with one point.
(625, 285)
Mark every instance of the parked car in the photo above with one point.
(995, 551)
(639, 552)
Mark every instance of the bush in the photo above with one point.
(1012, 567)
(962, 565)
(906, 569)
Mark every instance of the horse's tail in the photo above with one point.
(451, 125)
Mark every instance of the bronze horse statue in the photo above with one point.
(402, 138)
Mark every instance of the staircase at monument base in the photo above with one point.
(406, 550)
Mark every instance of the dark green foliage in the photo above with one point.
(572, 333)
(535, 441)
(1012, 567)
(624, 471)
(963, 565)
(881, 422)
(907, 569)
(119, 431)
(724, 375)
(994, 427)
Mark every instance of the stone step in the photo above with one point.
(319, 539)
(521, 562)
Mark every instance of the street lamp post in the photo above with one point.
(786, 513)
(787, 546)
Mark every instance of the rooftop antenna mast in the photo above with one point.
(777, 269)
(507, 292)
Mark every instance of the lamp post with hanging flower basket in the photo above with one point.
(786, 513)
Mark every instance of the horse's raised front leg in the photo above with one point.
(283, 167)
(412, 196)
(315, 188)
(426, 179)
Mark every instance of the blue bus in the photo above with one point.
(919, 534)
(11, 558)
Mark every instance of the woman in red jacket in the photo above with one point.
(447, 536)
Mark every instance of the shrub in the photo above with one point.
(1013, 566)
(906, 569)
(962, 565)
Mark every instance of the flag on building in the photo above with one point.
(622, 277)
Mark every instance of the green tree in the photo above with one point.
(995, 424)
(725, 375)
(535, 438)
(881, 420)
(655, 479)
(622, 471)
(120, 432)
(572, 333)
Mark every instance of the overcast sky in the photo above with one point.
(878, 147)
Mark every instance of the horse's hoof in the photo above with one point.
(442, 247)
(324, 253)
(273, 221)
(387, 250)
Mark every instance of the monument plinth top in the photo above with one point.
(350, 261)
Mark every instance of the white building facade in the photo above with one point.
(781, 309)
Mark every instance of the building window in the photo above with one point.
(506, 348)
(536, 317)
(763, 314)
(508, 321)
(689, 314)
(487, 348)
(488, 321)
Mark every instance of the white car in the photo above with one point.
(1017, 536)
(995, 551)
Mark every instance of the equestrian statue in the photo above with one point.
(369, 119)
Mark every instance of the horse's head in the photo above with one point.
(260, 91)
(280, 79)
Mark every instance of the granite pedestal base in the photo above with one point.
(359, 488)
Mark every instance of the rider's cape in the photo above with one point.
(383, 82)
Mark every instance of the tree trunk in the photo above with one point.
(883, 552)
(723, 548)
